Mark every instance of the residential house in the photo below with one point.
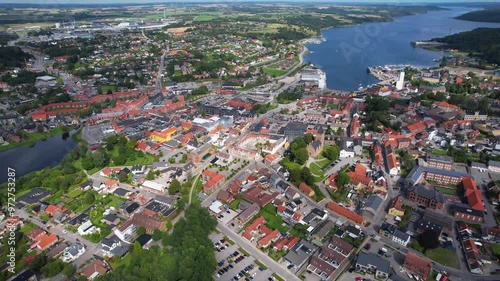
(373, 264)
(373, 203)
(72, 252)
(306, 189)
(247, 214)
(44, 241)
(417, 265)
(428, 197)
(300, 254)
(212, 181)
(94, 269)
(343, 212)
(396, 208)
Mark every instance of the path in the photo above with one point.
(192, 189)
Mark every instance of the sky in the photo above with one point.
(55, 2)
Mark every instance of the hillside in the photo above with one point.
(490, 15)
(483, 42)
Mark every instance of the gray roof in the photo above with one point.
(439, 158)
(121, 191)
(375, 260)
(373, 203)
(109, 241)
(316, 144)
(323, 228)
(300, 253)
(165, 200)
(110, 218)
(401, 235)
(422, 190)
(35, 195)
(478, 164)
(494, 163)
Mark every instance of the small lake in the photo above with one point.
(27, 159)
(348, 51)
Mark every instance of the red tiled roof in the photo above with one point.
(264, 242)
(334, 207)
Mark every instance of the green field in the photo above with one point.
(75, 193)
(274, 221)
(439, 152)
(274, 72)
(443, 256)
(495, 248)
(105, 88)
(448, 191)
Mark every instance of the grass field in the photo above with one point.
(105, 88)
(317, 172)
(274, 221)
(448, 191)
(274, 72)
(439, 152)
(444, 257)
(75, 193)
(495, 248)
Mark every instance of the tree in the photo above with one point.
(120, 159)
(306, 176)
(157, 235)
(184, 158)
(301, 155)
(332, 152)
(87, 163)
(69, 270)
(150, 176)
(89, 197)
(171, 160)
(122, 176)
(140, 231)
(428, 239)
(110, 146)
(100, 158)
(343, 179)
(308, 138)
(175, 187)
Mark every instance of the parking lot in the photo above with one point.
(97, 133)
(233, 264)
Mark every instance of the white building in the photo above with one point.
(72, 252)
(154, 186)
(346, 153)
(401, 80)
(87, 228)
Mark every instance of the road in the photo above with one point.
(160, 71)
(257, 254)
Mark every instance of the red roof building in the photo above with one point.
(350, 215)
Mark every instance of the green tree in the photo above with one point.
(140, 231)
(175, 187)
(343, 179)
(150, 175)
(301, 155)
(306, 176)
(69, 270)
(308, 138)
(332, 152)
(89, 197)
(87, 163)
(428, 239)
(157, 235)
(184, 158)
(122, 176)
(120, 159)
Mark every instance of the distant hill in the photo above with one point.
(489, 15)
(485, 42)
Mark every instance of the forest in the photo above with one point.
(12, 57)
(490, 15)
(188, 254)
(483, 42)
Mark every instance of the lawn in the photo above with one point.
(105, 88)
(448, 191)
(317, 172)
(274, 221)
(274, 72)
(290, 164)
(144, 159)
(324, 163)
(259, 263)
(495, 248)
(75, 193)
(234, 205)
(439, 152)
(118, 262)
(204, 18)
(444, 257)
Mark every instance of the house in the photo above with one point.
(425, 196)
(129, 208)
(417, 265)
(247, 214)
(322, 229)
(153, 186)
(213, 180)
(394, 233)
(113, 246)
(27, 275)
(299, 254)
(87, 228)
(350, 215)
(265, 241)
(44, 241)
(108, 172)
(35, 234)
(72, 252)
(144, 240)
(306, 189)
(494, 166)
(137, 170)
(442, 162)
(320, 267)
(396, 208)
(373, 264)
(94, 269)
(373, 203)
(465, 213)
(164, 135)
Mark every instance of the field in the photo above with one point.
(439, 152)
(274, 221)
(105, 88)
(443, 256)
(448, 191)
(274, 72)
(495, 248)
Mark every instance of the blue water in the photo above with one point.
(27, 159)
(348, 51)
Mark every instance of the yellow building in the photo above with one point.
(164, 135)
(397, 207)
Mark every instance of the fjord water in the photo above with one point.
(348, 51)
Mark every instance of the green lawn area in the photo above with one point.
(75, 193)
(234, 205)
(146, 159)
(277, 255)
(448, 191)
(439, 152)
(275, 275)
(495, 248)
(274, 221)
(317, 172)
(324, 163)
(274, 72)
(259, 263)
(204, 18)
(290, 164)
(444, 257)
(105, 88)
(124, 261)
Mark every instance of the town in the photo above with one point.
(183, 125)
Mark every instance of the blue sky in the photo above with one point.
(52, 2)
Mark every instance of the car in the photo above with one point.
(358, 278)
(65, 231)
(231, 266)
(367, 246)
(290, 266)
(351, 270)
